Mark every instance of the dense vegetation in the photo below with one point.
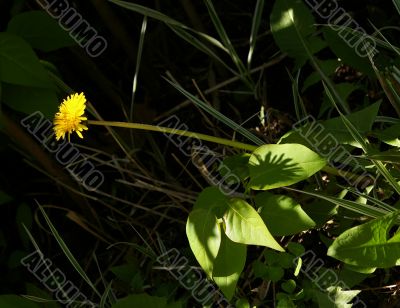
(240, 153)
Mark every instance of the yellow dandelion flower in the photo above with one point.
(69, 116)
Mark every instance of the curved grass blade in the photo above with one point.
(68, 253)
(362, 209)
(216, 114)
(254, 29)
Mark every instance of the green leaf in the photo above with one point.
(390, 135)
(368, 245)
(312, 136)
(289, 286)
(19, 64)
(211, 198)
(125, 272)
(15, 301)
(40, 30)
(29, 99)
(283, 215)
(277, 165)
(345, 52)
(204, 235)
(244, 225)
(229, 265)
(320, 211)
(274, 273)
(237, 165)
(142, 300)
(292, 24)
(336, 298)
(242, 303)
(295, 248)
(327, 66)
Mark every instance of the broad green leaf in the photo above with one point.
(277, 165)
(289, 286)
(327, 66)
(229, 265)
(211, 198)
(30, 99)
(292, 24)
(19, 64)
(237, 165)
(204, 235)
(244, 225)
(40, 30)
(389, 135)
(346, 53)
(368, 245)
(336, 298)
(285, 301)
(353, 276)
(242, 303)
(325, 135)
(16, 301)
(283, 215)
(320, 211)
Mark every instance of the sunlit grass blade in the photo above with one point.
(373, 200)
(216, 114)
(397, 5)
(360, 208)
(255, 25)
(68, 253)
(138, 61)
(364, 144)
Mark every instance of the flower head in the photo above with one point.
(69, 116)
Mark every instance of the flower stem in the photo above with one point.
(173, 131)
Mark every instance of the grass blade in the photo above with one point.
(227, 43)
(67, 252)
(216, 114)
(363, 209)
(254, 29)
(138, 61)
